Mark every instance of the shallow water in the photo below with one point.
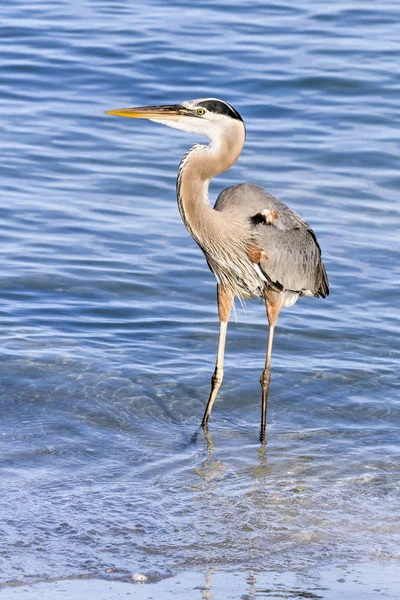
(108, 315)
(367, 581)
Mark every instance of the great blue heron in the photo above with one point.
(254, 244)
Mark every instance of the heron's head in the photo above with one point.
(206, 116)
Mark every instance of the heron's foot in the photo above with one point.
(263, 437)
(263, 419)
(193, 439)
(204, 422)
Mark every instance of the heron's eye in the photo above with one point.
(200, 112)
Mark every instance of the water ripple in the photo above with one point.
(108, 315)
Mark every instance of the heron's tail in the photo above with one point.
(323, 289)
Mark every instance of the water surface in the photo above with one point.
(108, 314)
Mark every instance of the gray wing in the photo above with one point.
(291, 256)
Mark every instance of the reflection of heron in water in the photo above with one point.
(254, 244)
(207, 592)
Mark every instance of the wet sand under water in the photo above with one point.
(366, 581)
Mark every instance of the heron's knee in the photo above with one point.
(265, 378)
(217, 377)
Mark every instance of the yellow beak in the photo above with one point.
(151, 112)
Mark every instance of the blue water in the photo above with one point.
(108, 316)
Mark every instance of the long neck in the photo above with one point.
(199, 165)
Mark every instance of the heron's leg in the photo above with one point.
(273, 306)
(225, 302)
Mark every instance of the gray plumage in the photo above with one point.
(294, 255)
(254, 244)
